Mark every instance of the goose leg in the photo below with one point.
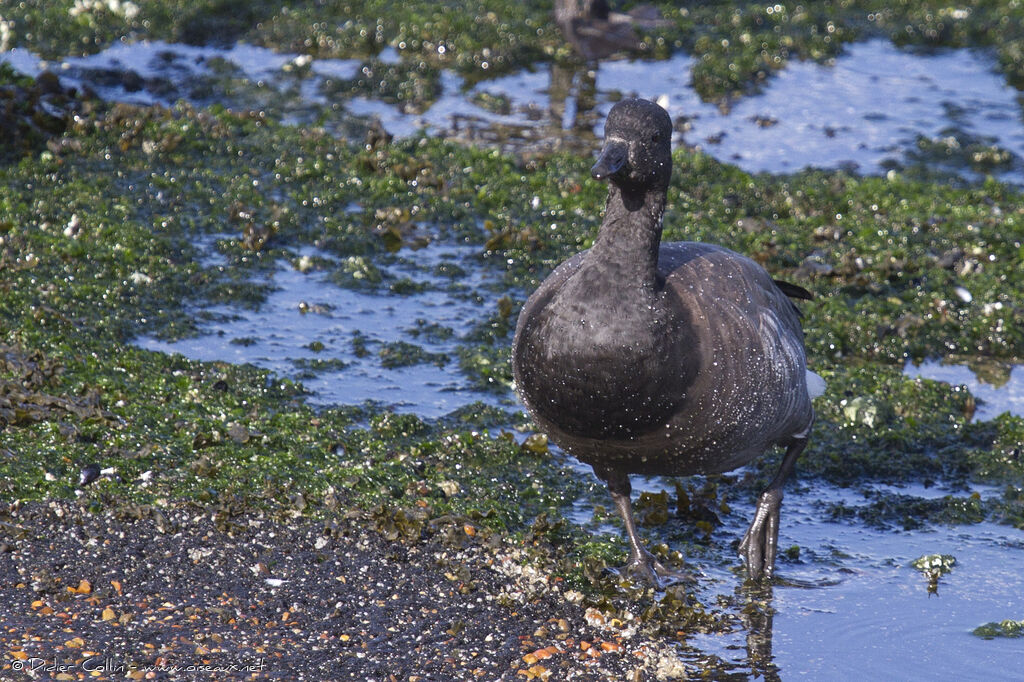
(760, 544)
(642, 565)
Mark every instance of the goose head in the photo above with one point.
(637, 152)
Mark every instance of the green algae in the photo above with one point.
(414, 87)
(934, 566)
(431, 331)
(888, 510)
(740, 45)
(476, 37)
(900, 248)
(1007, 628)
(312, 366)
(934, 563)
(404, 354)
(907, 244)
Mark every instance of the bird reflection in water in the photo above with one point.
(757, 615)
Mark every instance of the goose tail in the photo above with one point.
(815, 385)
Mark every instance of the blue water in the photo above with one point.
(307, 308)
(993, 400)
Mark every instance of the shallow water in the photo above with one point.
(858, 609)
(864, 111)
(868, 110)
(278, 336)
(999, 392)
(852, 606)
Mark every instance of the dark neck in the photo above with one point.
(631, 234)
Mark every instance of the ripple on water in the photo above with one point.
(854, 607)
(881, 623)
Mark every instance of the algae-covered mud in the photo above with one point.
(223, 295)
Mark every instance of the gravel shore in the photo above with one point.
(94, 596)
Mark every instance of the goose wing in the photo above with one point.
(751, 385)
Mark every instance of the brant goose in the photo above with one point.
(638, 357)
(595, 32)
